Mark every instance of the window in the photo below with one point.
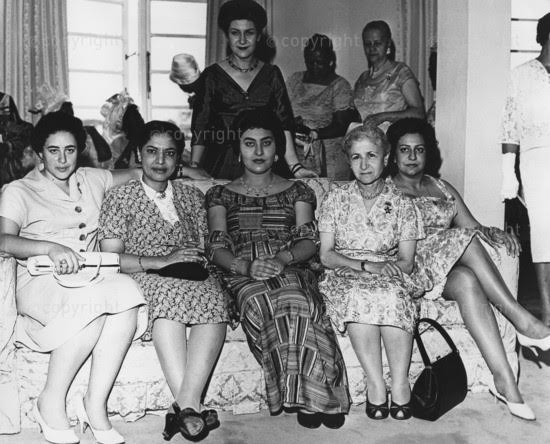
(117, 44)
(525, 15)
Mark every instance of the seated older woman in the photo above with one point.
(54, 211)
(262, 235)
(368, 233)
(154, 223)
(452, 255)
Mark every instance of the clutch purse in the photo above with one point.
(442, 384)
(192, 271)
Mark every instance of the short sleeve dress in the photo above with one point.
(283, 317)
(50, 314)
(383, 93)
(219, 99)
(130, 215)
(316, 104)
(374, 236)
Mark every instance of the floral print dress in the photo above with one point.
(443, 246)
(372, 236)
(128, 214)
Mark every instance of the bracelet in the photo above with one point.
(363, 264)
(296, 167)
(140, 264)
(194, 164)
(235, 263)
(289, 252)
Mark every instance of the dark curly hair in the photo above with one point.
(262, 118)
(323, 44)
(242, 10)
(384, 28)
(411, 125)
(158, 127)
(543, 29)
(54, 123)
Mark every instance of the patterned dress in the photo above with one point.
(382, 93)
(443, 246)
(128, 214)
(316, 104)
(374, 236)
(283, 317)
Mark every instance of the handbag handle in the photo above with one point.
(442, 332)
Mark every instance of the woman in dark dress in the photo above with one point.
(239, 82)
(263, 235)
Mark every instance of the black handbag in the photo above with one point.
(442, 384)
(192, 271)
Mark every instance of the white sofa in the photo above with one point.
(237, 384)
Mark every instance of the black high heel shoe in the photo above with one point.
(334, 421)
(377, 411)
(400, 412)
(210, 419)
(178, 422)
(309, 420)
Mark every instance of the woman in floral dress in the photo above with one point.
(452, 256)
(153, 223)
(262, 234)
(368, 235)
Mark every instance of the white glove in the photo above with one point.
(510, 184)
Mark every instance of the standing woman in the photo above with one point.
(54, 211)
(154, 223)
(322, 102)
(239, 82)
(368, 231)
(263, 236)
(388, 90)
(526, 131)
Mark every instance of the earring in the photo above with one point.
(239, 159)
(276, 157)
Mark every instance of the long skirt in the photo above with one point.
(292, 339)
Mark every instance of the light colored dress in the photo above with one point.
(443, 246)
(130, 215)
(49, 313)
(374, 236)
(382, 93)
(316, 104)
(526, 123)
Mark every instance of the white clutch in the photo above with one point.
(108, 263)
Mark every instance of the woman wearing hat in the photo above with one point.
(239, 82)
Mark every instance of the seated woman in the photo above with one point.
(153, 223)
(452, 255)
(323, 104)
(262, 234)
(54, 211)
(368, 233)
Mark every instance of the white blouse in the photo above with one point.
(526, 119)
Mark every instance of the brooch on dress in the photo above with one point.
(387, 207)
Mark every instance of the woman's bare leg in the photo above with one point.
(65, 361)
(542, 270)
(398, 346)
(464, 287)
(365, 340)
(107, 357)
(479, 262)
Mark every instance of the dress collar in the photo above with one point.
(154, 194)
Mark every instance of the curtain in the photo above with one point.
(215, 38)
(418, 33)
(34, 50)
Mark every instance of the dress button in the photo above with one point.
(78, 209)
(82, 250)
(82, 237)
(82, 225)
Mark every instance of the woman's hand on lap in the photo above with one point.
(185, 254)
(262, 269)
(347, 272)
(65, 259)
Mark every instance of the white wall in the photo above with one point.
(342, 20)
(473, 67)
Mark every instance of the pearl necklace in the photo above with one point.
(257, 192)
(233, 65)
(376, 193)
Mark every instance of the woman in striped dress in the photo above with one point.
(263, 236)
